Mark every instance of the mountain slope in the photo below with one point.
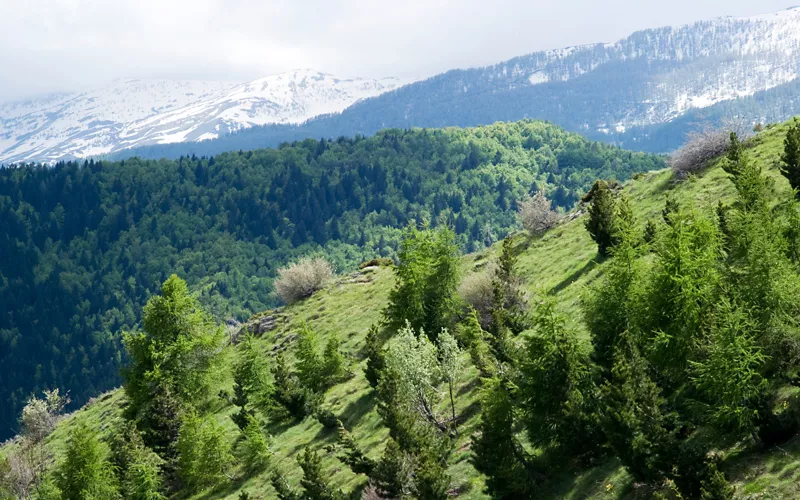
(561, 263)
(134, 113)
(82, 247)
(642, 92)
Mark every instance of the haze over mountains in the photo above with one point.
(643, 92)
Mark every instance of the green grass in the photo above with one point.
(563, 263)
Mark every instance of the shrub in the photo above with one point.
(477, 290)
(704, 145)
(303, 278)
(39, 416)
(536, 214)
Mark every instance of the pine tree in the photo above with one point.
(600, 223)
(333, 364)
(394, 473)
(253, 449)
(314, 483)
(790, 158)
(354, 457)
(375, 361)
(282, 489)
(204, 455)
(496, 451)
(288, 396)
(85, 472)
(310, 367)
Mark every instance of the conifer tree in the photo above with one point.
(288, 396)
(204, 455)
(790, 159)
(375, 361)
(85, 472)
(253, 449)
(496, 451)
(314, 483)
(600, 223)
(310, 367)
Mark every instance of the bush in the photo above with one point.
(536, 214)
(477, 290)
(39, 416)
(704, 145)
(303, 278)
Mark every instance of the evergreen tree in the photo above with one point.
(496, 451)
(288, 397)
(394, 473)
(204, 455)
(790, 159)
(177, 348)
(314, 484)
(310, 366)
(253, 449)
(600, 223)
(375, 361)
(282, 489)
(85, 472)
(333, 364)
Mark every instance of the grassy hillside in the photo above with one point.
(561, 263)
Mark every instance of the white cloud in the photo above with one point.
(52, 45)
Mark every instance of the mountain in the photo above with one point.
(643, 92)
(133, 113)
(562, 264)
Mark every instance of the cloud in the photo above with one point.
(54, 45)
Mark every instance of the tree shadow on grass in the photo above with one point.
(575, 276)
(356, 410)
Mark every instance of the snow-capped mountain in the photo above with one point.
(136, 112)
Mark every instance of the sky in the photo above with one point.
(68, 45)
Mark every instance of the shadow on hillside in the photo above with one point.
(576, 275)
(356, 410)
(587, 485)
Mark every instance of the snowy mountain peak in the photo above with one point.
(129, 113)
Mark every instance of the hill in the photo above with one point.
(644, 92)
(564, 264)
(85, 244)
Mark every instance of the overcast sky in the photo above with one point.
(55, 45)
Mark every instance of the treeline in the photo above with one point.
(82, 245)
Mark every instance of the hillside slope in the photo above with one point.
(643, 92)
(561, 263)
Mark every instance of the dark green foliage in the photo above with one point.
(394, 473)
(353, 456)
(426, 281)
(790, 159)
(315, 485)
(333, 363)
(99, 238)
(375, 361)
(557, 387)
(497, 453)
(251, 389)
(431, 479)
(600, 223)
(289, 398)
(640, 429)
(509, 309)
(138, 468)
(283, 490)
(716, 487)
(84, 472)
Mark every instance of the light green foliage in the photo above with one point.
(310, 366)
(729, 374)
(137, 467)
(253, 448)
(251, 370)
(289, 397)
(333, 363)
(84, 472)
(427, 278)
(177, 348)
(39, 416)
(204, 453)
(449, 366)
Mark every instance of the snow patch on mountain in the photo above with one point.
(140, 112)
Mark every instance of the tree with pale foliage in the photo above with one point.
(536, 214)
(302, 278)
(39, 416)
(450, 363)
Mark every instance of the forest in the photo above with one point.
(84, 244)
